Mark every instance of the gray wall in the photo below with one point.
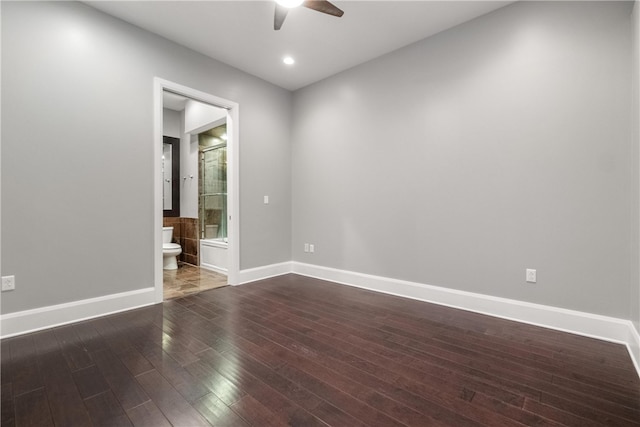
(634, 300)
(461, 160)
(77, 152)
(171, 123)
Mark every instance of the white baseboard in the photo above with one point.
(633, 344)
(26, 321)
(576, 322)
(214, 268)
(259, 273)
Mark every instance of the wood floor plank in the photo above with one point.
(118, 341)
(619, 397)
(134, 338)
(515, 369)
(371, 415)
(135, 362)
(382, 374)
(445, 399)
(470, 359)
(597, 413)
(294, 404)
(551, 388)
(177, 410)
(90, 382)
(32, 409)
(91, 339)
(229, 390)
(293, 350)
(190, 387)
(463, 319)
(560, 369)
(256, 413)
(26, 375)
(147, 415)
(120, 380)
(105, 410)
(73, 349)
(558, 415)
(414, 356)
(181, 335)
(66, 404)
(402, 336)
(218, 413)
(374, 381)
(7, 407)
(6, 364)
(400, 361)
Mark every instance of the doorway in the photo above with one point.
(161, 87)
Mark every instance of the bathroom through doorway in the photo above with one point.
(208, 203)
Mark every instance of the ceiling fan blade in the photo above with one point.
(280, 14)
(323, 6)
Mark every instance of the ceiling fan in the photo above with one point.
(283, 6)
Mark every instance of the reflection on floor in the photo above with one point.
(188, 279)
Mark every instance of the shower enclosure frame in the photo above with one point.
(203, 195)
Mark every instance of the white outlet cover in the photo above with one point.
(8, 283)
(531, 275)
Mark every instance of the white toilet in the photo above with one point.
(170, 251)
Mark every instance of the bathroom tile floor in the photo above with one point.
(189, 279)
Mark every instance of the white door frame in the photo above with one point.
(233, 174)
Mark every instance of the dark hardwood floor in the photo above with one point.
(298, 351)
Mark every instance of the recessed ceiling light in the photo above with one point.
(288, 60)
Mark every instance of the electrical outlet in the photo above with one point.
(8, 283)
(266, 200)
(531, 275)
(312, 248)
(306, 247)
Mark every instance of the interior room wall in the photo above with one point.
(634, 299)
(462, 160)
(171, 123)
(77, 152)
(188, 169)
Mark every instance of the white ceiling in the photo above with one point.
(240, 33)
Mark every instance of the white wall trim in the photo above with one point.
(213, 268)
(233, 176)
(26, 321)
(259, 273)
(633, 345)
(576, 322)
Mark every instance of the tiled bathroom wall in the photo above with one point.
(185, 233)
(189, 241)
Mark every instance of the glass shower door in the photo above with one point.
(213, 193)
